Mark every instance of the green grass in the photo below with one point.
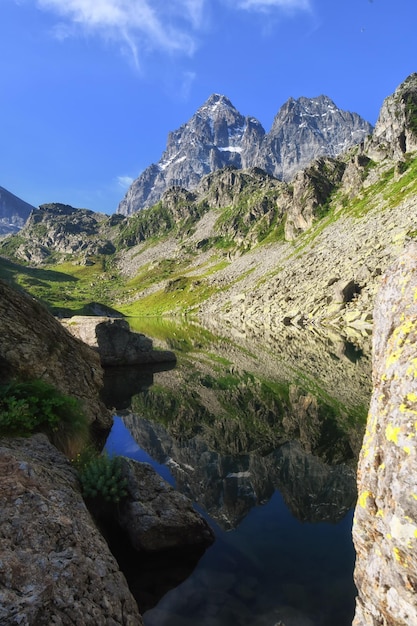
(66, 289)
(180, 296)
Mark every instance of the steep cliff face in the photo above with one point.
(385, 525)
(218, 136)
(395, 132)
(306, 129)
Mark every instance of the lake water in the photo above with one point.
(263, 434)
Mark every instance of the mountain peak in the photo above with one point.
(218, 135)
(13, 212)
(214, 104)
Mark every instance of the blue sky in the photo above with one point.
(91, 88)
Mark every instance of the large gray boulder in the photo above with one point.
(385, 524)
(115, 342)
(156, 517)
(55, 566)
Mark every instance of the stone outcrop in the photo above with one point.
(156, 517)
(115, 342)
(385, 525)
(395, 132)
(70, 231)
(35, 345)
(55, 566)
(217, 136)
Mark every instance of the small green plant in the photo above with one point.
(102, 478)
(37, 406)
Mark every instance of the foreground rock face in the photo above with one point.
(114, 341)
(35, 345)
(55, 566)
(385, 526)
(156, 516)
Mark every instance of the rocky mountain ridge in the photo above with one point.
(217, 135)
(256, 252)
(247, 248)
(13, 212)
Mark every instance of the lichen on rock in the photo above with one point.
(385, 524)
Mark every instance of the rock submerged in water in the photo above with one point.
(115, 342)
(156, 516)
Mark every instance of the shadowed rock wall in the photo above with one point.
(35, 345)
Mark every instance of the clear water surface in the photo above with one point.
(280, 500)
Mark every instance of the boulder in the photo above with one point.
(55, 566)
(156, 516)
(115, 342)
(385, 523)
(35, 345)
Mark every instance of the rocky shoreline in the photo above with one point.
(56, 564)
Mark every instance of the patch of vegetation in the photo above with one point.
(36, 406)
(404, 186)
(158, 221)
(227, 381)
(181, 295)
(66, 289)
(11, 244)
(273, 232)
(101, 478)
(153, 273)
(144, 224)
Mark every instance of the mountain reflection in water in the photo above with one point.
(262, 433)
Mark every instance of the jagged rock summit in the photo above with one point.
(217, 135)
(395, 132)
(306, 129)
(13, 212)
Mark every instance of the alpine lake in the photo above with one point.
(262, 432)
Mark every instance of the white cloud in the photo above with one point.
(141, 25)
(144, 26)
(125, 181)
(287, 5)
